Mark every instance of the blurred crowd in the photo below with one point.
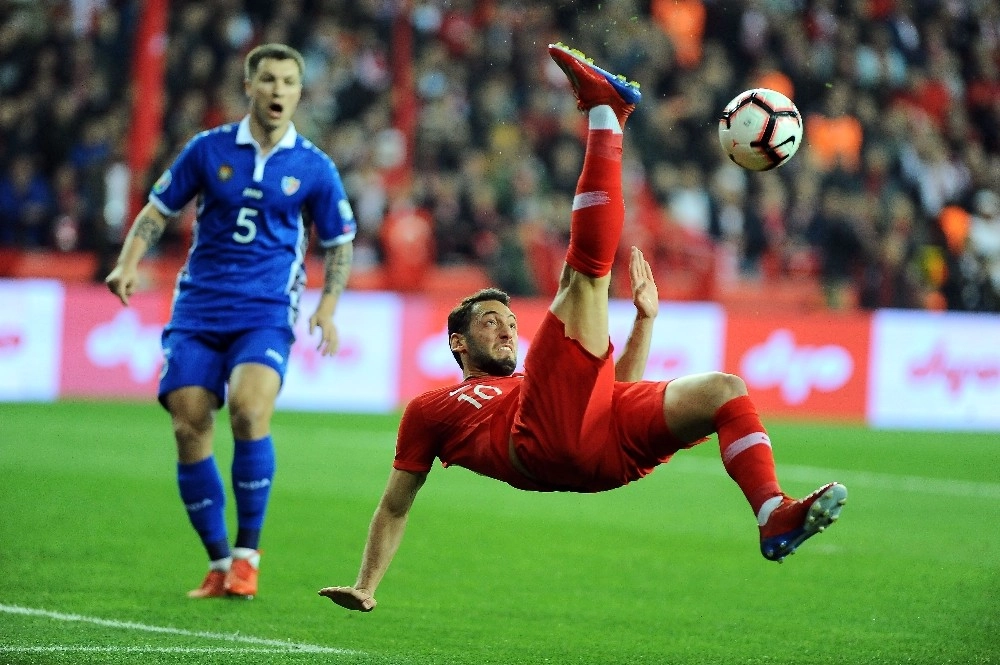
(459, 142)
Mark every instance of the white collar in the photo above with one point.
(244, 137)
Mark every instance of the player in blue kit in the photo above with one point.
(260, 186)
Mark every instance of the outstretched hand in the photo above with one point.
(644, 293)
(351, 598)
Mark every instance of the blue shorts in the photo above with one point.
(207, 359)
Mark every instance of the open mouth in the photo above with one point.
(275, 110)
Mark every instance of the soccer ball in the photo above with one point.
(760, 129)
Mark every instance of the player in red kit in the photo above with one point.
(576, 420)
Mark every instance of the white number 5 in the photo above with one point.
(248, 229)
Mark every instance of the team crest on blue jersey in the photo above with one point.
(290, 185)
(225, 172)
(163, 182)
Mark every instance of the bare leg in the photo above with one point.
(253, 389)
(192, 412)
(691, 402)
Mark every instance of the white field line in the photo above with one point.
(969, 489)
(275, 645)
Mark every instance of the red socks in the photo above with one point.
(746, 450)
(598, 207)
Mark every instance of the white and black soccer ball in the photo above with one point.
(760, 129)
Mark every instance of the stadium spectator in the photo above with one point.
(27, 204)
(230, 331)
(835, 135)
(980, 254)
(904, 64)
(576, 420)
(684, 22)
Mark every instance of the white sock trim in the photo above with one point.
(740, 445)
(765, 511)
(603, 117)
(221, 565)
(253, 556)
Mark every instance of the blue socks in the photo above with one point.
(204, 498)
(253, 471)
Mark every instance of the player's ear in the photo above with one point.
(457, 342)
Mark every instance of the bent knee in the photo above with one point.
(726, 386)
(691, 402)
(250, 418)
(711, 389)
(192, 413)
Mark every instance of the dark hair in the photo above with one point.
(460, 318)
(272, 51)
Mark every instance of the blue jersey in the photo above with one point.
(246, 268)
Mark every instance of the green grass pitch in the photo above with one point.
(96, 554)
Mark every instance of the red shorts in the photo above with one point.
(577, 429)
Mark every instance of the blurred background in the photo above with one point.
(460, 145)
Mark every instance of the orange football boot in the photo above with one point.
(213, 586)
(241, 581)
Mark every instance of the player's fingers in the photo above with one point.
(323, 346)
(349, 598)
(122, 291)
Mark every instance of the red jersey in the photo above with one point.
(467, 425)
(573, 427)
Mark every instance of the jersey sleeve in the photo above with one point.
(330, 209)
(415, 445)
(180, 182)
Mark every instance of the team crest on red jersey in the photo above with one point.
(225, 172)
(290, 185)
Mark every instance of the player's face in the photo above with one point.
(274, 93)
(492, 340)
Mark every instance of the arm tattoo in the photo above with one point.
(337, 268)
(148, 229)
